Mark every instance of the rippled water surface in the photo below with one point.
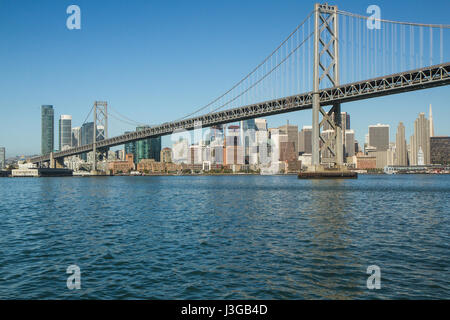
(236, 237)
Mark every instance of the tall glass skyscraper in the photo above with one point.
(47, 126)
(65, 131)
(145, 149)
(87, 133)
(130, 148)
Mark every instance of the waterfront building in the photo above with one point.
(420, 140)
(65, 131)
(365, 162)
(126, 166)
(2, 158)
(440, 150)
(76, 137)
(148, 148)
(379, 137)
(152, 166)
(47, 129)
(401, 152)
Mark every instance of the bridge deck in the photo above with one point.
(428, 77)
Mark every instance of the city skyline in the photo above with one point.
(73, 92)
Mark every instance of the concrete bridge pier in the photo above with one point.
(57, 163)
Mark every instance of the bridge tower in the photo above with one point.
(100, 127)
(326, 74)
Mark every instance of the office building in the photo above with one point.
(292, 133)
(47, 129)
(233, 149)
(305, 140)
(2, 158)
(379, 137)
(431, 123)
(440, 150)
(65, 132)
(401, 152)
(148, 148)
(76, 137)
(349, 147)
(166, 155)
(248, 136)
(87, 133)
(420, 141)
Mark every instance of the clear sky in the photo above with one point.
(155, 61)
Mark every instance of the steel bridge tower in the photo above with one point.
(100, 127)
(326, 74)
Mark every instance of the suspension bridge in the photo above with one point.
(331, 57)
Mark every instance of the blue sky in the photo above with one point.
(155, 61)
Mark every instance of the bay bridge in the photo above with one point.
(332, 57)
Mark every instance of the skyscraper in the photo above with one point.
(2, 158)
(248, 136)
(304, 140)
(47, 129)
(349, 143)
(379, 137)
(431, 123)
(401, 152)
(147, 148)
(87, 133)
(65, 131)
(420, 141)
(292, 133)
(130, 148)
(76, 137)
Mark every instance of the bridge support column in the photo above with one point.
(52, 161)
(326, 73)
(339, 148)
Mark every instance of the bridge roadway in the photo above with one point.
(428, 77)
